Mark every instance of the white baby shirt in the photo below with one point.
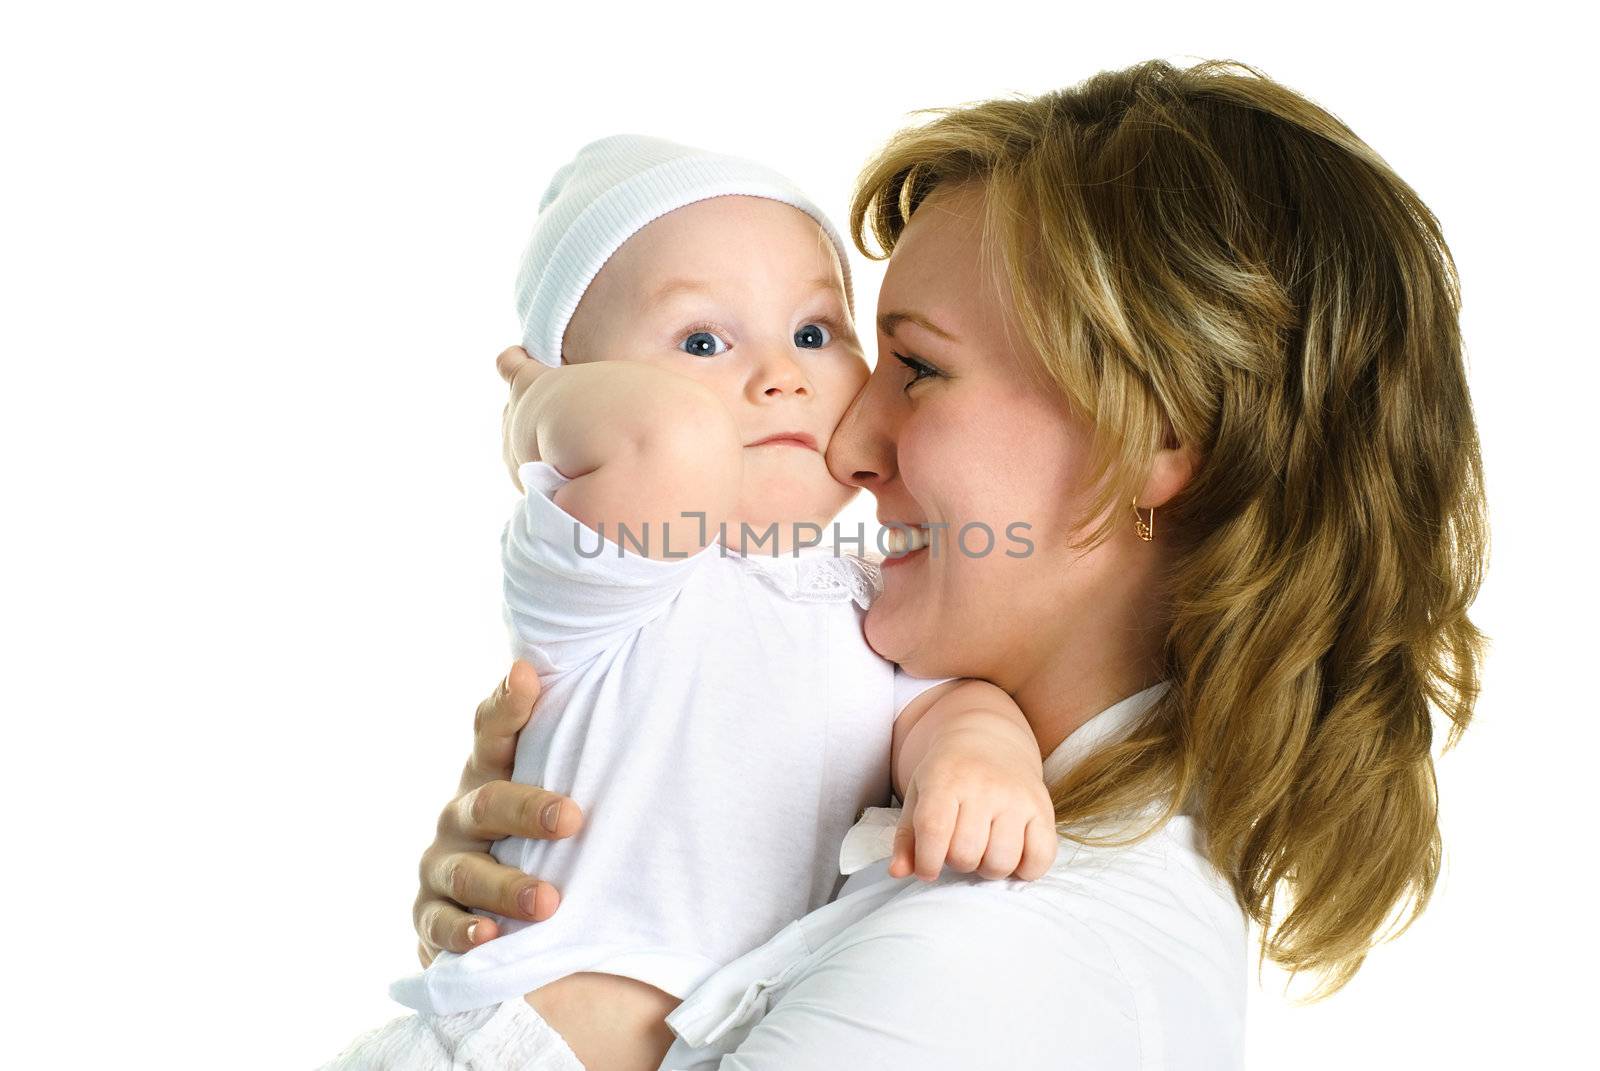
(721, 721)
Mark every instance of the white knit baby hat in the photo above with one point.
(612, 188)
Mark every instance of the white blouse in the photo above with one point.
(1117, 958)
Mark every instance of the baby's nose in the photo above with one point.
(781, 374)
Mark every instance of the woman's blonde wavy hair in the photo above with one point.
(1206, 254)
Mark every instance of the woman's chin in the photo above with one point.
(884, 634)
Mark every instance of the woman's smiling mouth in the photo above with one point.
(903, 542)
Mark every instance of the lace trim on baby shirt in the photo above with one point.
(821, 577)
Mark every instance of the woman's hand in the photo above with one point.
(457, 871)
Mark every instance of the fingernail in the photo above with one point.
(472, 934)
(550, 815)
(527, 898)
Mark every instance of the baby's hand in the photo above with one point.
(978, 802)
(519, 370)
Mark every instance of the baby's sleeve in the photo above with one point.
(907, 687)
(571, 594)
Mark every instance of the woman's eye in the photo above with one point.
(921, 369)
(703, 344)
(812, 336)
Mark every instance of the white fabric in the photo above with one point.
(611, 189)
(510, 1036)
(721, 721)
(1117, 959)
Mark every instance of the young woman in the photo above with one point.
(1189, 293)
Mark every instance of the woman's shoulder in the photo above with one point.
(1128, 956)
(1117, 957)
(1151, 927)
(1162, 882)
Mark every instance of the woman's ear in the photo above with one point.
(1173, 466)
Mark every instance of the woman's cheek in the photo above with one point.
(934, 453)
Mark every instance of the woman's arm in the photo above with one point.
(457, 872)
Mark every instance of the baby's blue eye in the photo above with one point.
(812, 337)
(703, 344)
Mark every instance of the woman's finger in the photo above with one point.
(509, 809)
(498, 721)
(1000, 858)
(442, 925)
(479, 880)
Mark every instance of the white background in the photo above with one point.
(257, 262)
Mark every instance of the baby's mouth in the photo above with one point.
(788, 438)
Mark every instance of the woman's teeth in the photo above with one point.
(906, 540)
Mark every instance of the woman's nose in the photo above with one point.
(861, 449)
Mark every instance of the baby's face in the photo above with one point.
(745, 296)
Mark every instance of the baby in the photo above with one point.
(708, 697)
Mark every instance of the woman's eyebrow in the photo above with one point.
(888, 321)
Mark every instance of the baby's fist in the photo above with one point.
(978, 817)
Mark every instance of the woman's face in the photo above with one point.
(950, 430)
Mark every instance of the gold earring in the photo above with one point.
(1147, 532)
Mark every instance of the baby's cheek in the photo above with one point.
(842, 383)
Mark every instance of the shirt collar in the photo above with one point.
(871, 839)
(1111, 724)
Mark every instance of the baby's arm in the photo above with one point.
(641, 445)
(967, 765)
